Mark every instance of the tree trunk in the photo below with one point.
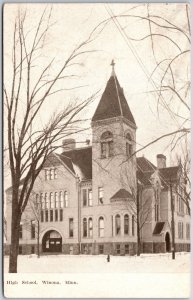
(16, 218)
(138, 226)
(38, 239)
(138, 241)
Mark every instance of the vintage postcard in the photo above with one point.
(96, 150)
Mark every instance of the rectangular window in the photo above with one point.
(90, 197)
(188, 231)
(56, 215)
(71, 227)
(51, 216)
(55, 174)
(101, 249)
(47, 173)
(127, 249)
(112, 225)
(84, 196)
(42, 200)
(20, 250)
(51, 174)
(51, 200)
(32, 249)
(84, 249)
(46, 215)
(71, 249)
(118, 249)
(20, 231)
(101, 195)
(42, 216)
(61, 214)
(90, 249)
(33, 229)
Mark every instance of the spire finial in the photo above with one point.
(113, 67)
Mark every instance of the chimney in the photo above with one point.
(68, 144)
(161, 161)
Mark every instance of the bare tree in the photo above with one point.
(183, 186)
(169, 52)
(26, 91)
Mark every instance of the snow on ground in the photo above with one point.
(146, 263)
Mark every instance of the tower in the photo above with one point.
(114, 136)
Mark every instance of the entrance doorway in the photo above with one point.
(167, 240)
(52, 242)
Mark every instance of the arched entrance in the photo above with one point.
(167, 240)
(52, 242)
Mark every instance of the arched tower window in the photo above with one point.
(90, 227)
(84, 227)
(117, 224)
(126, 224)
(129, 146)
(101, 227)
(106, 144)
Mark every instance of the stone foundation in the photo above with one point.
(102, 248)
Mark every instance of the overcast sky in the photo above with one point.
(73, 24)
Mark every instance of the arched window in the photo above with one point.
(126, 224)
(84, 227)
(42, 200)
(90, 227)
(51, 174)
(129, 146)
(133, 225)
(61, 199)
(51, 200)
(106, 144)
(46, 201)
(101, 227)
(56, 200)
(47, 175)
(117, 225)
(65, 199)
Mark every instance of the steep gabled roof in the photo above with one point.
(170, 173)
(113, 103)
(67, 161)
(145, 165)
(81, 157)
(144, 178)
(158, 227)
(121, 194)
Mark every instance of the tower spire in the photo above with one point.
(113, 68)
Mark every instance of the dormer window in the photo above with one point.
(129, 146)
(106, 144)
(50, 174)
